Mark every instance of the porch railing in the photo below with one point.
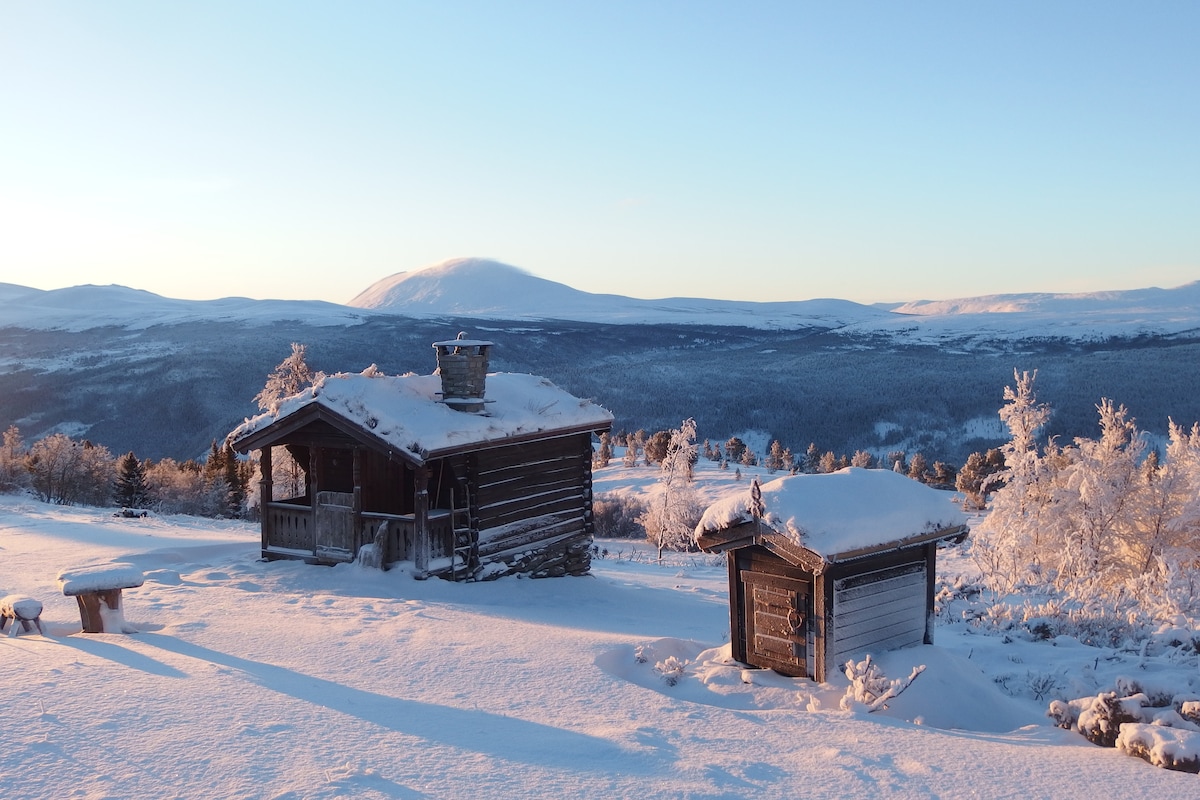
(291, 526)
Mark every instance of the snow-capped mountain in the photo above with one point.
(476, 287)
(490, 290)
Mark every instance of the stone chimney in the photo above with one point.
(463, 364)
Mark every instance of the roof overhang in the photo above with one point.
(746, 534)
(280, 430)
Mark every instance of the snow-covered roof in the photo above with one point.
(405, 413)
(842, 512)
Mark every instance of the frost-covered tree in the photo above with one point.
(13, 474)
(978, 477)
(862, 458)
(812, 459)
(829, 463)
(734, 448)
(634, 443)
(672, 517)
(1098, 505)
(290, 377)
(1009, 544)
(176, 488)
(68, 472)
(227, 481)
(774, 459)
(656, 447)
(918, 468)
(603, 452)
(944, 474)
(749, 458)
(1101, 522)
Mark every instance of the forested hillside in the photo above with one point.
(169, 390)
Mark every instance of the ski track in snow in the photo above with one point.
(281, 680)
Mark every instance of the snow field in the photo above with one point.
(282, 680)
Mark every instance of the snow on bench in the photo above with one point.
(97, 588)
(25, 613)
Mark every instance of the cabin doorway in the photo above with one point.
(776, 624)
(334, 535)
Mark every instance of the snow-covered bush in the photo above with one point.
(869, 688)
(1169, 748)
(615, 516)
(671, 669)
(1103, 718)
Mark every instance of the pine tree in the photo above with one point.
(918, 468)
(130, 489)
(603, 452)
(656, 447)
(775, 458)
(812, 459)
(862, 458)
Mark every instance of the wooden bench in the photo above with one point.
(97, 588)
(23, 612)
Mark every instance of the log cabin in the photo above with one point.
(465, 474)
(826, 568)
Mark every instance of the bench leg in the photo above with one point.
(90, 608)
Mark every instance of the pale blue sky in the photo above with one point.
(757, 151)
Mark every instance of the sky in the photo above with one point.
(753, 151)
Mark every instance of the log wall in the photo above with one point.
(532, 506)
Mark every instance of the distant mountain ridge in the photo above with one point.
(476, 288)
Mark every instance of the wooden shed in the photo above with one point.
(463, 473)
(833, 566)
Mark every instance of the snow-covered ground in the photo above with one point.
(280, 680)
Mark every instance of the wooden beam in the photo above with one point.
(422, 543)
(266, 494)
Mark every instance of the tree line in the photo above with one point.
(652, 449)
(1108, 526)
(66, 471)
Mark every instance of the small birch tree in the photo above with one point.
(671, 518)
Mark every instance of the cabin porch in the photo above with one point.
(354, 497)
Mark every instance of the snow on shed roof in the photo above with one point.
(842, 512)
(404, 411)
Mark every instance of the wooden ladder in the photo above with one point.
(464, 563)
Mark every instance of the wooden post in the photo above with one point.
(422, 544)
(314, 487)
(357, 508)
(266, 494)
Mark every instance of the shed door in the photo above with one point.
(334, 533)
(777, 612)
(880, 610)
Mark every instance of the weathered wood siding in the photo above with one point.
(290, 526)
(532, 505)
(881, 609)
